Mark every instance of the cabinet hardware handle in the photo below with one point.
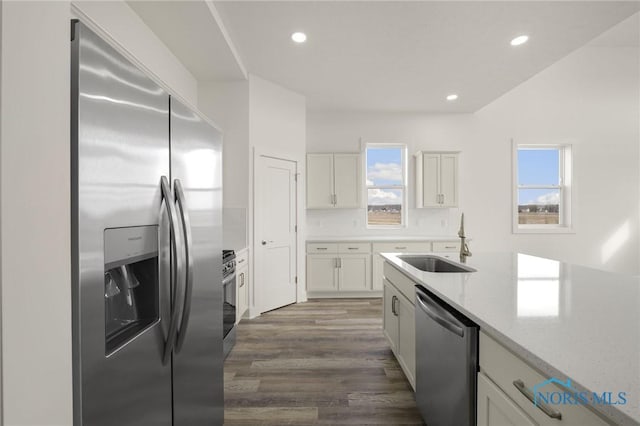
(400, 248)
(352, 248)
(242, 279)
(393, 305)
(321, 248)
(240, 261)
(450, 247)
(554, 414)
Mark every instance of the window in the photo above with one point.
(542, 175)
(386, 185)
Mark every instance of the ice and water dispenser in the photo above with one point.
(131, 283)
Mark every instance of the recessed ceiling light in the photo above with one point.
(452, 97)
(299, 37)
(520, 40)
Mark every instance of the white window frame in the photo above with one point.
(403, 187)
(565, 186)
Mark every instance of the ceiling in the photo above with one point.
(408, 56)
(194, 33)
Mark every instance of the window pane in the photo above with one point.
(538, 166)
(384, 166)
(384, 206)
(538, 206)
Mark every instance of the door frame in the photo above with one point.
(255, 284)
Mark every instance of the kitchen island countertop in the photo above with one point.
(568, 321)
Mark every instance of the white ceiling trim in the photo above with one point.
(227, 37)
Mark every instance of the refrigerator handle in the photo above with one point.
(188, 250)
(176, 268)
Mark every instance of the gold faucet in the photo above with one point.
(464, 247)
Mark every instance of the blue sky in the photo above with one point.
(538, 167)
(384, 166)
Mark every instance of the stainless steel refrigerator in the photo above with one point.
(147, 248)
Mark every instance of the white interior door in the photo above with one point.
(275, 238)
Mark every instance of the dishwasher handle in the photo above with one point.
(431, 309)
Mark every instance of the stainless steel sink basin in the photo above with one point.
(429, 263)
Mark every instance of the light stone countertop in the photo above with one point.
(568, 321)
(380, 238)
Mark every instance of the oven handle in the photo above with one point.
(188, 254)
(431, 309)
(228, 279)
(177, 267)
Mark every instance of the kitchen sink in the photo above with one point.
(430, 263)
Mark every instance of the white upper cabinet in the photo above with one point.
(319, 181)
(347, 180)
(334, 180)
(436, 179)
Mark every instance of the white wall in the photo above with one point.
(35, 214)
(590, 98)
(228, 103)
(277, 127)
(342, 132)
(121, 26)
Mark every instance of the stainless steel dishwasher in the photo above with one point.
(446, 362)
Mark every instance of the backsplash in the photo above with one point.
(352, 222)
(234, 228)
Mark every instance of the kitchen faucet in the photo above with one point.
(464, 247)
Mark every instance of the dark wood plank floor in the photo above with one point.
(321, 362)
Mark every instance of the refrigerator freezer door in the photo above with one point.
(120, 148)
(196, 166)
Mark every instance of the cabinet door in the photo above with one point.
(377, 274)
(407, 338)
(390, 320)
(355, 272)
(321, 272)
(449, 180)
(430, 180)
(495, 408)
(347, 180)
(242, 302)
(319, 181)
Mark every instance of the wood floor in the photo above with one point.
(321, 362)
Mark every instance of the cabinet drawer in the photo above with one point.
(242, 258)
(401, 247)
(322, 248)
(503, 368)
(443, 246)
(347, 248)
(404, 285)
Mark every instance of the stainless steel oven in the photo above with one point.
(229, 299)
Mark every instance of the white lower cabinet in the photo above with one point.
(393, 247)
(242, 283)
(354, 272)
(322, 272)
(500, 402)
(390, 320)
(339, 269)
(495, 408)
(399, 329)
